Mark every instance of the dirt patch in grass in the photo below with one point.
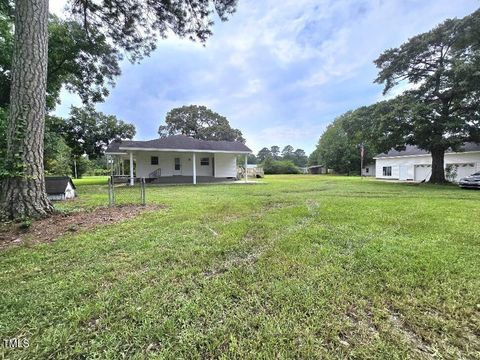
(413, 339)
(49, 229)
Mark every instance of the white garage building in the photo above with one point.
(416, 164)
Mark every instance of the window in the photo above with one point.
(367, 170)
(387, 171)
(177, 163)
(205, 161)
(154, 160)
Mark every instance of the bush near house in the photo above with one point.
(280, 167)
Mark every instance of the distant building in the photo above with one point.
(59, 187)
(317, 169)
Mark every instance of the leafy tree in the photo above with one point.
(264, 154)
(252, 159)
(442, 111)
(133, 26)
(300, 158)
(57, 155)
(275, 151)
(89, 132)
(336, 150)
(287, 153)
(83, 63)
(80, 165)
(199, 122)
(99, 166)
(314, 158)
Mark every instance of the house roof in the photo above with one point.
(57, 184)
(178, 142)
(411, 150)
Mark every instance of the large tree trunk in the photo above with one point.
(438, 170)
(23, 189)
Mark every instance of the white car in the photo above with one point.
(472, 181)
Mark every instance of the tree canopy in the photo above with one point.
(263, 154)
(336, 150)
(85, 64)
(89, 132)
(136, 25)
(199, 122)
(289, 157)
(441, 111)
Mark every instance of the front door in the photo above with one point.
(403, 172)
(177, 169)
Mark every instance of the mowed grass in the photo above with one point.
(296, 267)
(91, 180)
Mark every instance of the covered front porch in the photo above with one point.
(176, 167)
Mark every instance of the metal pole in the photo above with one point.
(142, 186)
(75, 167)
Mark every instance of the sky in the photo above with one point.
(280, 71)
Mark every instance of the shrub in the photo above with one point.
(280, 167)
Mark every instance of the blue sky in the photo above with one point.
(280, 71)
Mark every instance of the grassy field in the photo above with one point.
(297, 267)
(91, 180)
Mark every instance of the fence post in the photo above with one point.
(142, 190)
(110, 195)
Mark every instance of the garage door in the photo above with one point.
(455, 172)
(423, 172)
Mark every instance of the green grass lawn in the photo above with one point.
(297, 267)
(91, 180)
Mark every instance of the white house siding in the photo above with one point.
(418, 167)
(225, 165)
(368, 170)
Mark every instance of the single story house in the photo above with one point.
(59, 187)
(176, 159)
(416, 164)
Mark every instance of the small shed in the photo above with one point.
(317, 169)
(59, 187)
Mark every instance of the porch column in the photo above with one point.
(246, 163)
(132, 180)
(194, 159)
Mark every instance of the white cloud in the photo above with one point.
(279, 70)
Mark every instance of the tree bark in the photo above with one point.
(23, 189)
(438, 170)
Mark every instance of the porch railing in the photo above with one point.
(155, 174)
